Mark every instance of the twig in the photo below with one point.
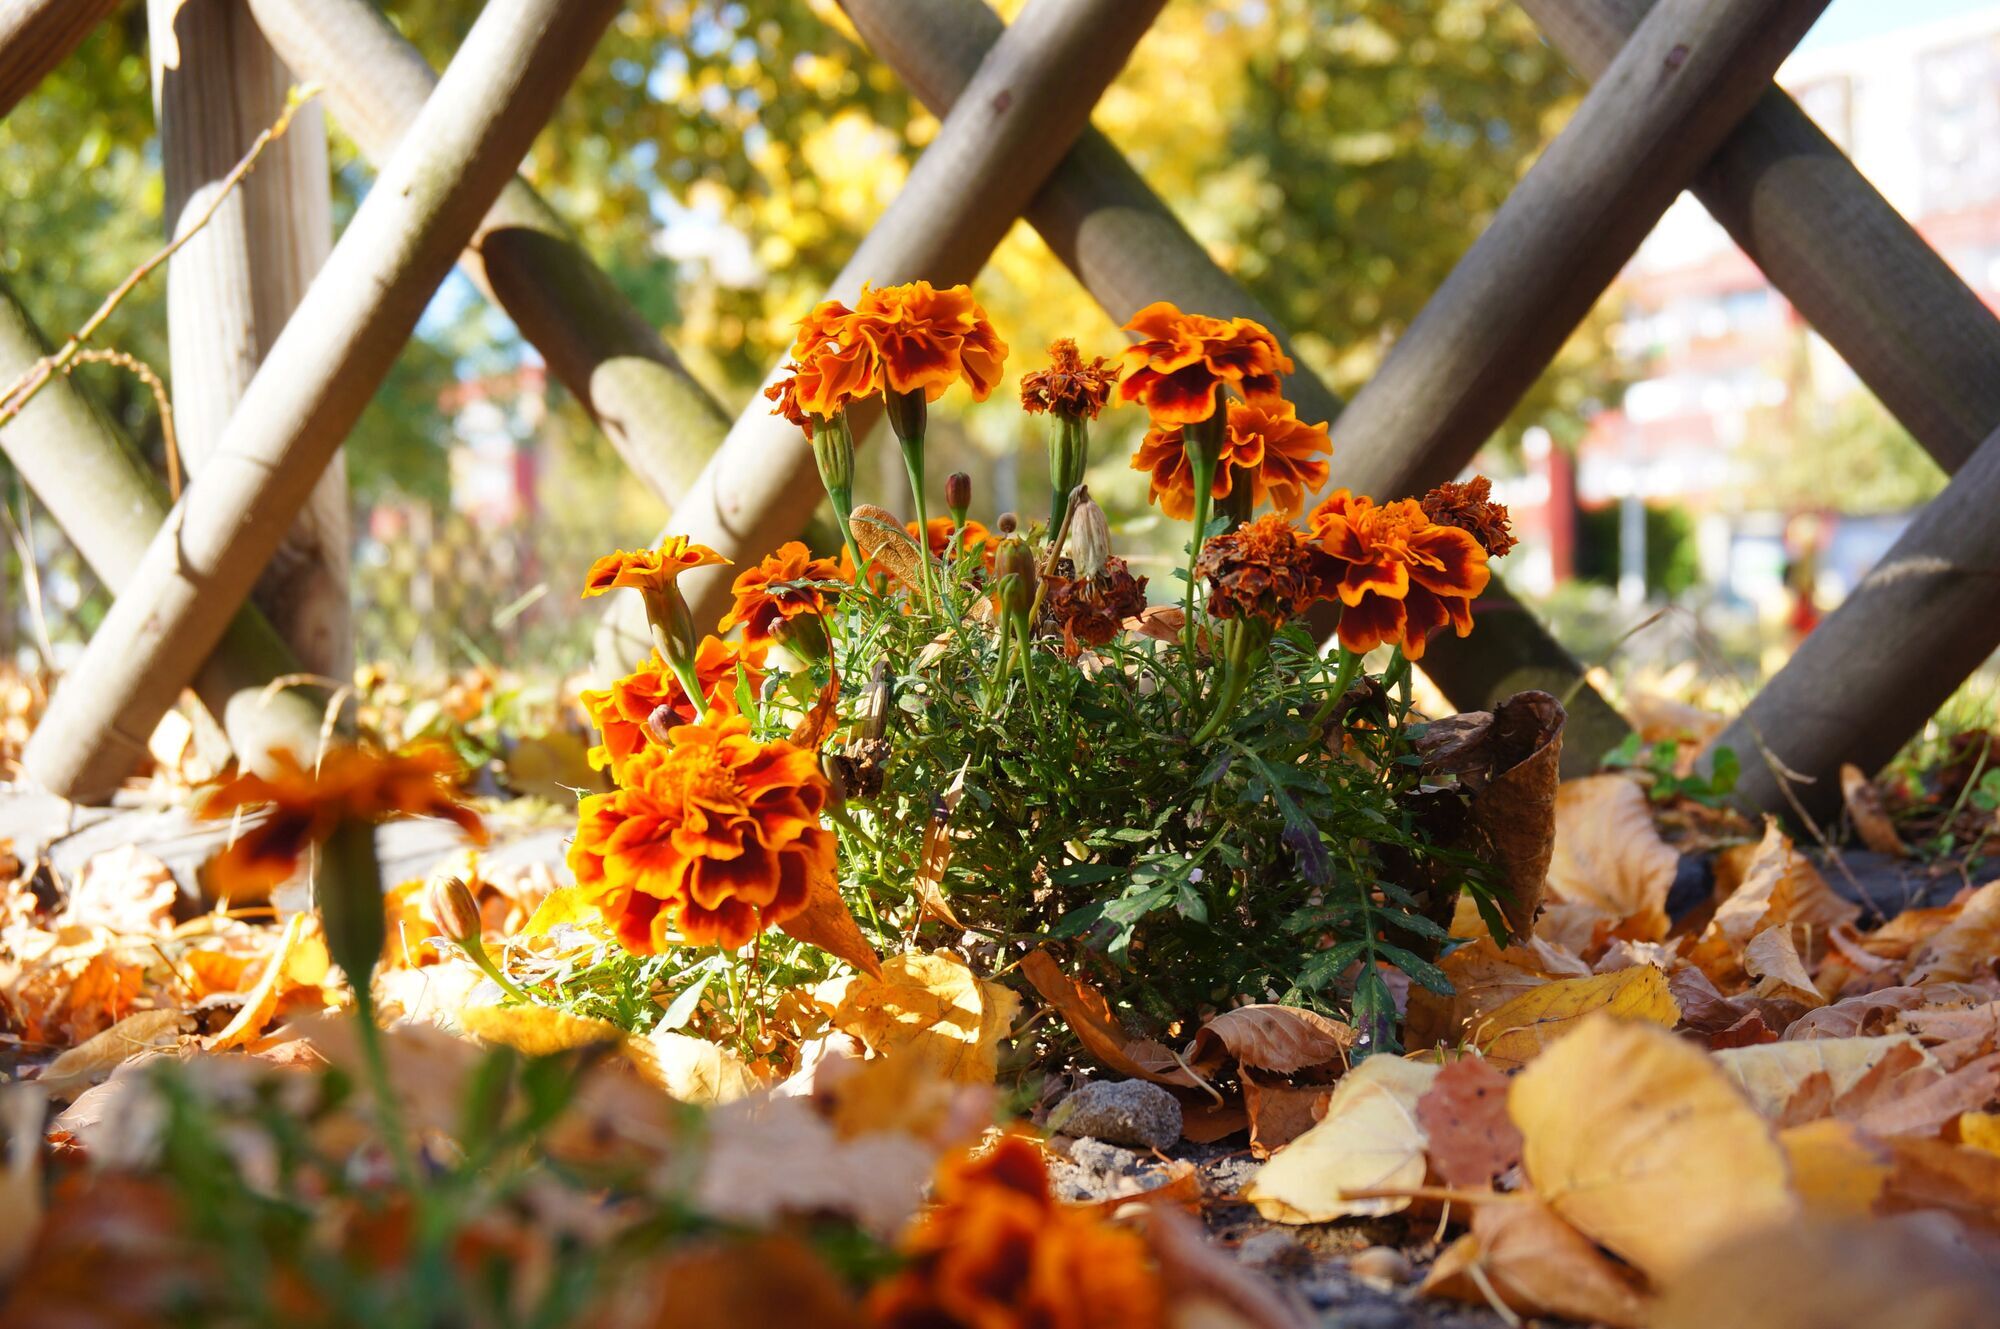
(142, 371)
(23, 391)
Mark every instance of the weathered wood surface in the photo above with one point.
(1024, 108)
(38, 35)
(231, 287)
(506, 79)
(663, 422)
(1687, 77)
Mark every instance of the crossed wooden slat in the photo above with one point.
(1663, 115)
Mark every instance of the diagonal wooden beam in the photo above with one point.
(38, 35)
(1870, 675)
(231, 287)
(1024, 108)
(110, 504)
(1690, 73)
(524, 257)
(1908, 326)
(328, 362)
(1128, 249)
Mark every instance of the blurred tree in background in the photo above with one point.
(721, 159)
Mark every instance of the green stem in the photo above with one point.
(913, 462)
(842, 504)
(1027, 655)
(682, 670)
(388, 1114)
(1204, 482)
(1343, 679)
(476, 952)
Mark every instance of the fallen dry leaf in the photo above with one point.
(1930, 1174)
(1515, 1033)
(1863, 1016)
(1923, 1104)
(1833, 1276)
(92, 1060)
(261, 1002)
(1089, 1017)
(1837, 1171)
(768, 1158)
(1771, 1073)
(1638, 1139)
(1780, 887)
(1284, 1039)
(1865, 810)
(1537, 1265)
(1968, 947)
(1980, 1130)
(1610, 855)
(1279, 1113)
(124, 890)
(694, 1070)
(766, 1279)
(887, 547)
(1369, 1139)
(1483, 978)
(1464, 1117)
(931, 1007)
(1772, 959)
(829, 924)
(1206, 1289)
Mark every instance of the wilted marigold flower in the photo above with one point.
(1181, 361)
(1264, 569)
(1069, 386)
(999, 1251)
(1471, 508)
(1091, 610)
(620, 711)
(925, 339)
(1401, 576)
(715, 835)
(1284, 458)
(649, 569)
(764, 594)
(350, 784)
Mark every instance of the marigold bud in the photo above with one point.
(1014, 576)
(1089, 536)
(454, 909)
(958, 495)
(833, 450)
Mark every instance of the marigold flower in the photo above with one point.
(1471, 508)
(620, 711)
(999, 1251)
(925, 339)
(715, 834)
(1181, 361)
(938, 532)
(649, 569)
(831, 364)
(1284, 458)
(1401, 576)
(767, 593)
(1091, 610)
(1264, 570)
(784, 396)
(307, 805)
(1069, 386)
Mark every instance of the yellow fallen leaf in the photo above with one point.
(262, 1000)
(1770, 1073)
(932, 1007)
(1772, 958)
(536, 1031)
(1369, 1139)
(1980, 1130)
(1537, 1265)
(1638, 1139)
(1837, 1171)
(1780, 888)
(1484, 977)
(84, 1064)
(1609, 854)
(565, 907)
(694, 1070)
(1515, 1033)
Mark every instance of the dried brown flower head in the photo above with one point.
(1265, 569)
(1091, 610)
(1069, 386)
(1470, 507)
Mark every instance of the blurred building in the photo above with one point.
(494, 456)
(1712, 353)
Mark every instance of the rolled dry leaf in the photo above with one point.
(1865, 810)
(1508, 759)
(887, 546)
(1089, 1017)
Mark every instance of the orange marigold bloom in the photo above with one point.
(1401, 575)
(1284, 457)
(1069, 386)
(937, 539)
(1263, 569)
(1181, 361)
(925, 339)
(620, 711)
(307, 805)
(766, 593)
(784, 396)
(1471, 508)
(649, 569)
(714, 833)
(831, 364)
(999, 1251)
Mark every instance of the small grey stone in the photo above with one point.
(1129, 1112)
(1107, 1159)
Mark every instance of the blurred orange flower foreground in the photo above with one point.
(1000, 1251)
(715, 835)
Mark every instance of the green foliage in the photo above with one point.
(1660, 762)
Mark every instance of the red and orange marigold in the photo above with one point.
(1399, 575)
(1181, 362)
(937, 537)
(713, 838)
(1470, 507)
(999, 1251)
(649, 570)
(1070, 385)
(925, 339)
(831, 366)
(1264, 570)
(620, 711)
(767, 593)
(1283, 457)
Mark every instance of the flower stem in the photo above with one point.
(683, 672)
(913, 462)
(1204, 482)
(476, 952)
(1343, 679)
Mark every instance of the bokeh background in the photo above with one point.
(1696, 449)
